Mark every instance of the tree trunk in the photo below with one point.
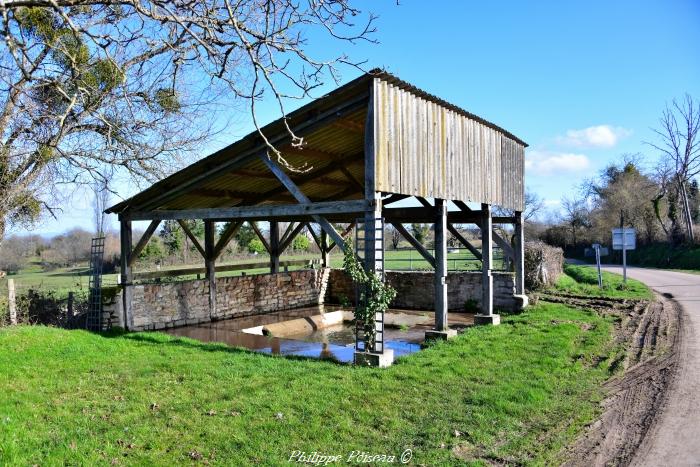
(686, 212)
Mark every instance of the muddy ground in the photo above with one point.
(649, 334)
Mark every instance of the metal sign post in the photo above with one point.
(596, 247)
(624, 239)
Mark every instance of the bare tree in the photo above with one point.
(90, 85)
(101, 201)
(680, 145)
(576, 216)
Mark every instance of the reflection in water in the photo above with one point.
(332, 343)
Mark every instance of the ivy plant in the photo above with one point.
(376, 295)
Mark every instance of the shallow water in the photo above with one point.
(334, 342)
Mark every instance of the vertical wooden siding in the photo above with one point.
(424, 149)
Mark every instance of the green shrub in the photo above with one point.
(256, 246)
(301, 243)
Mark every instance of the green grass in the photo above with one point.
(583, 280)
(518, 393)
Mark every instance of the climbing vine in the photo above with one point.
(376, 294)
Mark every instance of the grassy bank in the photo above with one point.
(513, 393)
(583, 280)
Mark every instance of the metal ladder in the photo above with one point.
(360, 291)
(93, 320)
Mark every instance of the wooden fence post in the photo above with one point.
(11, 301)
(71, 298)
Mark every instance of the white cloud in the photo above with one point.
(599, 136)
(549, 163)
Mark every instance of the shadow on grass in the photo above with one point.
(157, 338)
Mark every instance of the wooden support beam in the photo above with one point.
(192, 238)
(126, 271)
(300, 196)
(290, 226)
(260, 235)
(504, 245)
(344, 234)
(274, 247)
(226, 237)
(289, 238)
(415, 243)
(325, 251)
(267, 212)
(209, 263)
(353, 181)
(237, 195)
(441, 305)
(472, 249)
(143, 241)
(314, 236)
(519, 260)
(486, 262)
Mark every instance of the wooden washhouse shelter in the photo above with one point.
(368, 144)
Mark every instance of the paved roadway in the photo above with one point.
(675, 437)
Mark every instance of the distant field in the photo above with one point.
(63, 280)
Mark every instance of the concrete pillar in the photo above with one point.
(126, 275)
(209, 264)
(274, 247)
(486, 316)
(441, 331)
(325, 254)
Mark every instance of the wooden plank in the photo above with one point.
(192, 238)
(415, 243)
(393, 199)
(260, 235)
(143, 241)
(344, 234)
(267, 212)
(226, 236)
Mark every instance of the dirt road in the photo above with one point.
(674, 438)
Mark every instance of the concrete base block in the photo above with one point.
(434, 334)
(381, 360)
(487, 319)
(521, 301)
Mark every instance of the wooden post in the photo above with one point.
(11, 301)
(486, 316)
(71, 301)
(274, 247)
(519, 254)
(325, 252)
(210, 264)
(126, 272)
(440, 265)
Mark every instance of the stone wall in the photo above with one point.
(158, 306)
(171, 304)
(415, 289)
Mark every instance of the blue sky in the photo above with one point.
(581, 82)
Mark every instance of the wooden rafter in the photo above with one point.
(143, 241)
(226, 237)
(300, 196)
(504, 245)
(260, 235)
(191, 236)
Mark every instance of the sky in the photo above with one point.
(582, 82)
